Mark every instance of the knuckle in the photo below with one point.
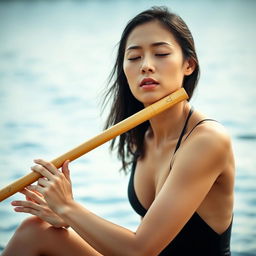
(25, 204)
(28, 210)
(41, 168)
(47, 191)
(29, 204)
(40, 181)
(48, 165)
(55, 179)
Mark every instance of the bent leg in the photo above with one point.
(36, 237)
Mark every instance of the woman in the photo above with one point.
(182, 176)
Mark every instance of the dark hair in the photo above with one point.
(124, 104)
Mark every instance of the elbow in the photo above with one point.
(142, 249)
(142, 246)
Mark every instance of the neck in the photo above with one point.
(168, 124)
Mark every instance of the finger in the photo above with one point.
(31, 190)
(26, 204)
(27, 210)
(37, 189)
(26, 196)
(42, 182)
(43, 171)
(39, 194)
(66, 171)
(34, 196)
(47, 165)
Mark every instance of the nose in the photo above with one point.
(147, 65)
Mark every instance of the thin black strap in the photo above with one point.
(207, 119)
(183, 130)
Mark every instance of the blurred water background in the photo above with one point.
(55, 57)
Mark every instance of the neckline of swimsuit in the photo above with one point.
(142, 208)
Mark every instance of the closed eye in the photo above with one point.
(162, 54)
(134, 58)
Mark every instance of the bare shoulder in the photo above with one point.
(211, 133)
(208, 142)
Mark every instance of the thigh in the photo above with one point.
(36, 237)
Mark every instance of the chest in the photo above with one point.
(150, 175)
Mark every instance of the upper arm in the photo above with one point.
(197, 165)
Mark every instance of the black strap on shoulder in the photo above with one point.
(184, 129)
(200, 122)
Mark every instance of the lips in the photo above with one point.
(148, 82)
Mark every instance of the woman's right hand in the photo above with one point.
(36, 205)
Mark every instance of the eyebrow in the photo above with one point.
(152, 45)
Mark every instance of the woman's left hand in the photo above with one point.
(55, 185)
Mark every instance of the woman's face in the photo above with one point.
(153, 62)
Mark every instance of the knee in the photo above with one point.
(32, 225)
(27, 234)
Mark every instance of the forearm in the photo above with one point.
(104, 236)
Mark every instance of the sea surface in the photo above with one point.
(55, 57)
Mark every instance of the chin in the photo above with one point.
(149, 99)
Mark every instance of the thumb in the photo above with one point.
(65, 170)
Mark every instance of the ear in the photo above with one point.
(189, 66)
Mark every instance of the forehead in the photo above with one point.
(149, 33)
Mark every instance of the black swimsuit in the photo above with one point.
(196, 238)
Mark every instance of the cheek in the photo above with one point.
(126, 70)
(173, 68)
(129, 72)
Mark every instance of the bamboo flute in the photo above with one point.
(100, 139)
